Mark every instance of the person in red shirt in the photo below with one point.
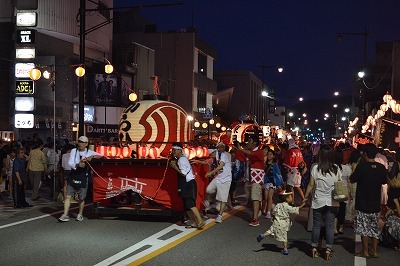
(255, 157)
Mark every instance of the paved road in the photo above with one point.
(35, 237)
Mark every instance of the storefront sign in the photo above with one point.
(88, 114)
(24, 104)
(25, 87)
(24, 120)
(26, 36)
(26, 19)
(389, 134)
(98, 130)
(25, 53)
(22, 69)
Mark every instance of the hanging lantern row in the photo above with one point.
(389, 102)
(114, 151)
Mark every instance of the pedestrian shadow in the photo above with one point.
(269, 247)
(346, 242)
(302, 246)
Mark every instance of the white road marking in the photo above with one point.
(359, 261)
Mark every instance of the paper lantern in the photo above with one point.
(114, 151)
(108, 69)
(186, 151)
(387, 98)
(199, 152)
(80, 71)
(384, 107)
(397, 108)
(392, 103)
(154, 152)
(205, 152)
(380, 113)
(126, 152)
(143, 151)
(35, 74)
(102, 150)
(192, 153)
(132, 97)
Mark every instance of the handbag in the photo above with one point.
(395, 181)
(340, 191)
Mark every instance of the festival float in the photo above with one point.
(134, 177)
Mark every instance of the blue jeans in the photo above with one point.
(328, 213)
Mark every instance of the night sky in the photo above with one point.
(299, 35)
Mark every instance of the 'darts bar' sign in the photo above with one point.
(389, 137)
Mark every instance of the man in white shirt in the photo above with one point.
(222, 179)
(78, 181)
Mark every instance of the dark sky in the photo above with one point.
(298, 34)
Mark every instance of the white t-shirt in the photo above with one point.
(226, 174)
(346, 172)
(324, 185)
(185, 168)
(64, 161)
(75, 158)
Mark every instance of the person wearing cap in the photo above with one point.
(281, 220)
(187, 187)
(221, 182)
(255, 158)
(78, 178)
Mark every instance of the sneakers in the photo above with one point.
(64, 218)
(268, 216)
(260, 237)
(79, 218)
(285, 252)
(219, 219)
(254, 222)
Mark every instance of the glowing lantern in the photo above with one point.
(205, 152)
(186, 151)
(35, 74)
(199, 152)
(392, 103)
(154, 152)
(80, 71)
(126, 152)
(108, 69)
(384, 107)
(397, 108)
(192, 153)
(387, 97)
(143, 151)
(114, 151)
(133, 97)
(102, 150)
(380, 113)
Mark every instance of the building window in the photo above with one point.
(201, 101)
(202, 64)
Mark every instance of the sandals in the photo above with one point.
(361, 254)
(372, 254)
(200, 226)
(314, 253)
(328, 254)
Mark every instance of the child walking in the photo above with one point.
(281, 220)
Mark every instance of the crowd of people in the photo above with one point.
(280, 176)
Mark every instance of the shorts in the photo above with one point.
(256, 192)
(269, 186)
(366, 224)
(189, 193)
(294, 178)
(81, 192)
(221, 189)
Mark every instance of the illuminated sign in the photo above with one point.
(26, 36)
(88, 113)
(24, 87)
(24, 120)
(25, 53)
(26, 19)
(22, 69)
(24, 104)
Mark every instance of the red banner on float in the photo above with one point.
(151, 180)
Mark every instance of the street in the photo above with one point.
(34, 236)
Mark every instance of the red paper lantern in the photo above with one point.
(154, 152)
(143, 151)
(186, 151)
(114, 151)
(192, 153)
(126, 152)
(205, 152)
(102, 150)
(199, 152)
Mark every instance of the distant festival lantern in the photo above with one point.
(133, 97)
(186, 151)
(35, 74)
(205, 152)
(192, 153)
(397, 108)
(387, 97)
(126, 152)
(80, 71)
(108, 69)
(143, 151)
(154, 152)
(102, 150)
(199, 152)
